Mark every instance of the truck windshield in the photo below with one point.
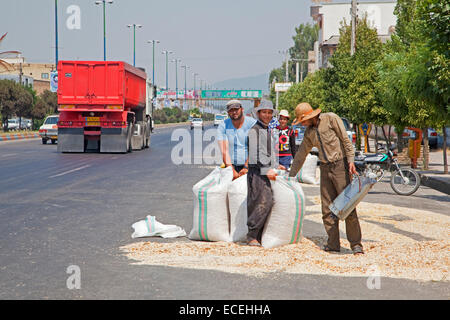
(220, 117)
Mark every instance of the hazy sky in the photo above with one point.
(219, 40)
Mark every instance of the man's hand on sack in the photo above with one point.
(243, 172)
(271, 174)
(352, 169)
(235, 174)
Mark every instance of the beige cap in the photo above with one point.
(284, 113)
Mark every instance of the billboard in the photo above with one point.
(231, 94)
(164, 94)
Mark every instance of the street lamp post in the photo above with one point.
(195, 96)
(185, 67)
(153, 58)
(134, 40)
(167, 52)
(104, 24)
(176, 76)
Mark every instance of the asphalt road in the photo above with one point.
(58, 210)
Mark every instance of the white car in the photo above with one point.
(13, 124)
(49, 130)
(219, 118)
(197, 123)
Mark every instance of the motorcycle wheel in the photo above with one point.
(405, 186)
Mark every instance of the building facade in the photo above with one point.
(39, 72)
(330, 16)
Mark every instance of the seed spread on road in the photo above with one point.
(398, 242)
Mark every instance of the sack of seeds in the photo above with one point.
(210, 220)
(307, 173)
(284, 224)
(237, 203)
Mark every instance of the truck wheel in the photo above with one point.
(44, 141)
(53, 141)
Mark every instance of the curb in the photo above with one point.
(441, 184)
(18, 136)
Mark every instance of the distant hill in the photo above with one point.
(259, 82)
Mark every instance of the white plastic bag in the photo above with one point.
(284, 224)
(237, 203)
(307, 173)
(210, 221)
(149, 227)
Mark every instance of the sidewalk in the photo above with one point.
(434, 177)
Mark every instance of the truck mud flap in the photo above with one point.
(113, 140)
(70, 140)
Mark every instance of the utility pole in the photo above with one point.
(353, 18)
(297, 69)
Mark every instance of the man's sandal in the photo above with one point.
(254, 243)
(326, 248)
(358, 250)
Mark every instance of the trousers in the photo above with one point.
(259, 202)
(334, 177)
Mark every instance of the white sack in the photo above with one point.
(210, 221)
(237, 203)
(284, 224)
(307, 173)
(149, 227)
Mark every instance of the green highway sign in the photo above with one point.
(231, 94)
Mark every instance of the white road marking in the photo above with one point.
(8, 155)
(70, 171)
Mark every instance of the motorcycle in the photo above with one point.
(404, 181)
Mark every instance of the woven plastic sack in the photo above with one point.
(307, 173)
(149, 227)
(284, 224)
(237, 203)
(210, 220)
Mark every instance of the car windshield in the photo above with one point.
(13, 121)
(51, 120)
(197, 119)
(220, 117)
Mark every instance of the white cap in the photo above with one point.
(284, 113)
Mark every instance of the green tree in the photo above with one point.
(304, 38)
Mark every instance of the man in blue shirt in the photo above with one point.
(232, 137)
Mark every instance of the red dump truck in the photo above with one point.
(103, 105)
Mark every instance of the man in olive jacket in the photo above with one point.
(327, 133)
